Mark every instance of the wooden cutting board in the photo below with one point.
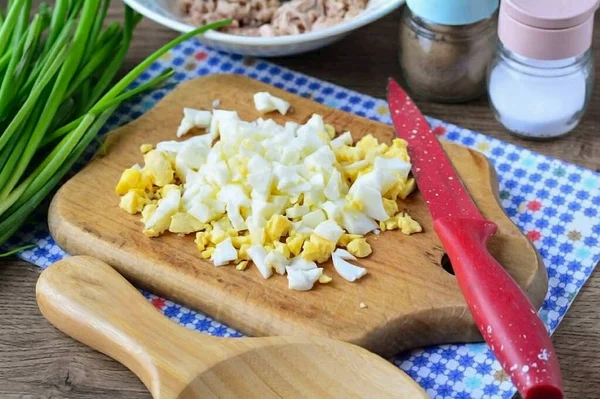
(412, 301)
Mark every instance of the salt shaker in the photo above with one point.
(446, 47)
(541, 79)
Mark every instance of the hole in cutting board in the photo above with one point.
(446, 264)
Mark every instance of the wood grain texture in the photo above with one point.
(91, 302)
(412, 302)
(38, 361)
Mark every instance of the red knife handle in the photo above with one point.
(503, 313)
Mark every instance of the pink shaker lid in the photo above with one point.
(549, 29)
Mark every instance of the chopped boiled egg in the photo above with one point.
(277, 226)
(277, 261)
(160, 219)
(317, 249)
(314, 218)
(343, 139)
(134, 201)
(346, 269)
(295, 242)
(193, 118)
(158, 167)
(259, 257)
(408, 225)
(224, 253)
(297, 211)
(329, 230)
(302, 264)
(242, 265)
(266, 102)
(342, 253)
(131, 179)
(346, 238)
(356, 222)
(359, 247)
(286, 198)
(371, 202)
(303, 280)
(184, 223)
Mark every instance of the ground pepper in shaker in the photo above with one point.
(541, 79)
(446, 47)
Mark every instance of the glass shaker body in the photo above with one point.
(446, 63)
(539, 99)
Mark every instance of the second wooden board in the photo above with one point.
(412, 301)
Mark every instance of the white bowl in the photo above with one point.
(159, 11)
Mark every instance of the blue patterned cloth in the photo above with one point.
(556, 204)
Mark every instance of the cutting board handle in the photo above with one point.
(94, 304)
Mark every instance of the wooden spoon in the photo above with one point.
(93, 303)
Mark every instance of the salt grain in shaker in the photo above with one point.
(541, 80)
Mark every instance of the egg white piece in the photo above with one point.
(394, 165)
(262, 209)
(343, 139)
(190, 158)
(371, 201)
(321, 159)
(207, 211)
(222, 224)
(302, 228)
(266, 102)
(313, 218)
(184, 127)
(193, 118)
(297, 211)
(259, 255)
(342, 253)
(302, 280)
(261, 175)
(315, 123)
(233, 194)
(171, 147)
(335, 186)
(300, 263)
(256, 227)
(329, 230)
(355, 222)
(201, 118)
(281, 202)
(373, 179)
(224, 253)
(277, 262)
(332, 210)
(219, 116)
(167, 207)
(346, 269)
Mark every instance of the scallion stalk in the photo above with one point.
(56, 92)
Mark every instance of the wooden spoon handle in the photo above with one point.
(94, 304)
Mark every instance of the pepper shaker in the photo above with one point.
(446, 47)
(541, 79)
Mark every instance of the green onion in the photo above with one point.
(57, 69)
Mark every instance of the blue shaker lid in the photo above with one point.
(453, 12)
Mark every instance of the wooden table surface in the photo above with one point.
(37, 361)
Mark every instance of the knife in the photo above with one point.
(504, 315)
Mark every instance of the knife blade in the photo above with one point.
(504, 315)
